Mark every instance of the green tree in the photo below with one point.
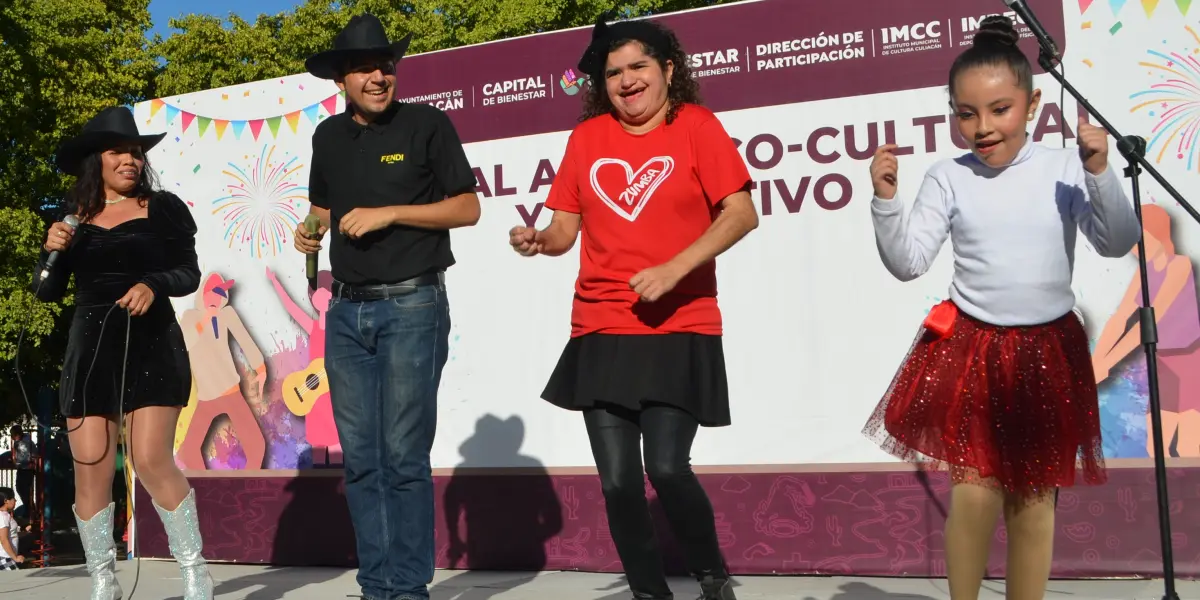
(209, 52)
(63, 61)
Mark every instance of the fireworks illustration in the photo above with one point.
(1173, 101)
(263, 205)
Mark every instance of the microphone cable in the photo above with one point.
(122, 431)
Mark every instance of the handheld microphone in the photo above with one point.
(312, 223)
(71, 221)
(1039, 32)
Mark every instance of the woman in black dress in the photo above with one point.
(134, 249)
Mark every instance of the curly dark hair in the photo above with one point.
(684, 89)
(86, 197)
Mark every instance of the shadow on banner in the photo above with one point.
(497, 522)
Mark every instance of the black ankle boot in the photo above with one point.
(716, 588)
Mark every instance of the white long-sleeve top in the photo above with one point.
(1012, 230)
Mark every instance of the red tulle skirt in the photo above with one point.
(1011, 407)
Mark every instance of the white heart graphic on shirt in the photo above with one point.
(639, 185)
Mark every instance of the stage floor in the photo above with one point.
(159, 580)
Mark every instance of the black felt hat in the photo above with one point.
(364, 34)
(112, 126)
(603, 34)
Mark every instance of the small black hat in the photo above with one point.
(596, 55)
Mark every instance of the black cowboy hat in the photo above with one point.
(364, 34)
(112, 126)
(603, 34)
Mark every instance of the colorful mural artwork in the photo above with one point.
(240, 157)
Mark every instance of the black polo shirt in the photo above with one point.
(409, 155)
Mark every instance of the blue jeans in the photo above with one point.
(384, 360)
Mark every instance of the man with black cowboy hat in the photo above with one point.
(390, 180)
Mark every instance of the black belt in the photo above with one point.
(366, 293)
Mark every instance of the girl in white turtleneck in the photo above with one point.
(998, 387)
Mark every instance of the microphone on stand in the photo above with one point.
(1049, 48)
(312, 224)
(71, 221)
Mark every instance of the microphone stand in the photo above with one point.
(1133, 148)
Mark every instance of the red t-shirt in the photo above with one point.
(643, 199)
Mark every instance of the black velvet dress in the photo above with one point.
(159, 251)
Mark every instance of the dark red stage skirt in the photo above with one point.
(1014, 407)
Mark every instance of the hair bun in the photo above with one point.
(997, 30)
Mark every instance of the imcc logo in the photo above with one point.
(571, 83)
(913, 32)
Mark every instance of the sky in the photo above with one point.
(163, 10)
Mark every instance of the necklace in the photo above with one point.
(119, 199)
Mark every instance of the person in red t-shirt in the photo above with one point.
(658, 190)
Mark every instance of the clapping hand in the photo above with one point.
(361, 221)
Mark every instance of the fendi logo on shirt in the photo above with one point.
(391, 158)
(628, 191)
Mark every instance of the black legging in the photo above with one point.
(615, 434)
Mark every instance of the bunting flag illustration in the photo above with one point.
(202, 124)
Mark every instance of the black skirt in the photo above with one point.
(157, 372)
(683, 370)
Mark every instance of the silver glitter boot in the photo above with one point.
(100, 552)
(183, 533)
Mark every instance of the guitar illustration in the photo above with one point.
(302, 388)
